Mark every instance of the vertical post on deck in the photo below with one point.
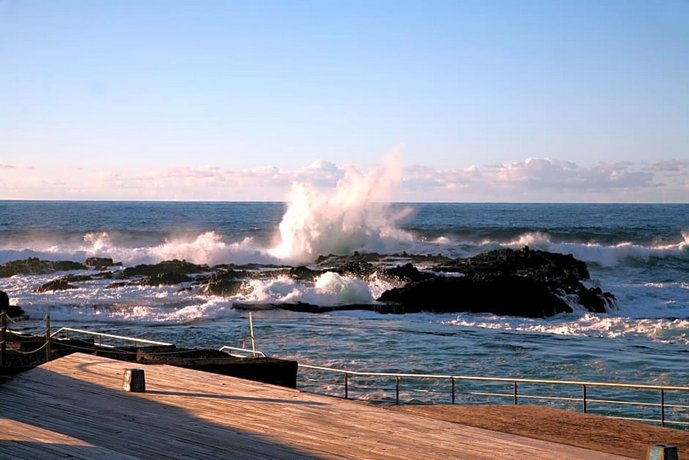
(397, 390)
(346, 385)
(253, 339)
(453, 390)
(584, 397)
(47, 337)
(662, 407)
(515, 393)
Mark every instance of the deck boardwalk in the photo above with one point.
(75, 407)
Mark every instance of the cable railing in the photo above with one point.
(474, 389)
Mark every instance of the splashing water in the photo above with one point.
(355, 216)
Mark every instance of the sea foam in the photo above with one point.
(355, 216)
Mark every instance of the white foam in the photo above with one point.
(354, 216)
(667, 330)
(329, 289)
(603, 255)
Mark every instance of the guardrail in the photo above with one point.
(585, 400)
(100, 335)
(242, 352)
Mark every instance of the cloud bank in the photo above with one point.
(530, 180)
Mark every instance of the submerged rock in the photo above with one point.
(55, 285)
(166, 279)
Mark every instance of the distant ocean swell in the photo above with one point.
(214, 248)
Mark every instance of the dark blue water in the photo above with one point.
(638, 252)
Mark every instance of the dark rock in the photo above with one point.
(170, 266)
(358, 268)
(100, 262)
(404, 273)
(224, 284)
(76, 278)
(304, 273)
(165, 279)
(13, 311)
(504, 282)
(35, 266)
(596, 300)
(507, 295)
(118, 284)
(55, 285)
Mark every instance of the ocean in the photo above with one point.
(639, 252)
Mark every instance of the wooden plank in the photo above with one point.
(75, 405)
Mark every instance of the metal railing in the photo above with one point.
(584, 400)
(100, 335)
(242, 352)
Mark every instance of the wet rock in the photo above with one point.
(513, 296)
(304, 273)
(504, 282)
(76, 278)
(116, 285)
(166, 279)
(55, 285)
(358, 268)
(404, 273)
(100, 262)
(224, 284)
(36, 266)
(170, 266)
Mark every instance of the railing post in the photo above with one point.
(253, 338)
(453, 390)
(47, 337)
(662, 407)
(515, 393)
(584, 397)
(397, 390)
(346, 385)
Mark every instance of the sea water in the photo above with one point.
(639, 252)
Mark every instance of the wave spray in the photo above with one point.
(354, 216)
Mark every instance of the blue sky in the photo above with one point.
(236, 100)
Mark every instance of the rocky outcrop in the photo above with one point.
(504, 282)
(36, 266)
(522, 282)
(181, 267)
(56, 285)
(100, 262)
(224, 284)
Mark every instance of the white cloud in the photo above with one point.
(534, 179)
(545, 179)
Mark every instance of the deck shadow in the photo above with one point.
(123, 423)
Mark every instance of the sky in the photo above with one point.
(479, 101)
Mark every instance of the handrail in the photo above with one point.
(241, 352)
(101, 335)
(584, 399)
(499, 379)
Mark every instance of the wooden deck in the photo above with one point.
(75, 407)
